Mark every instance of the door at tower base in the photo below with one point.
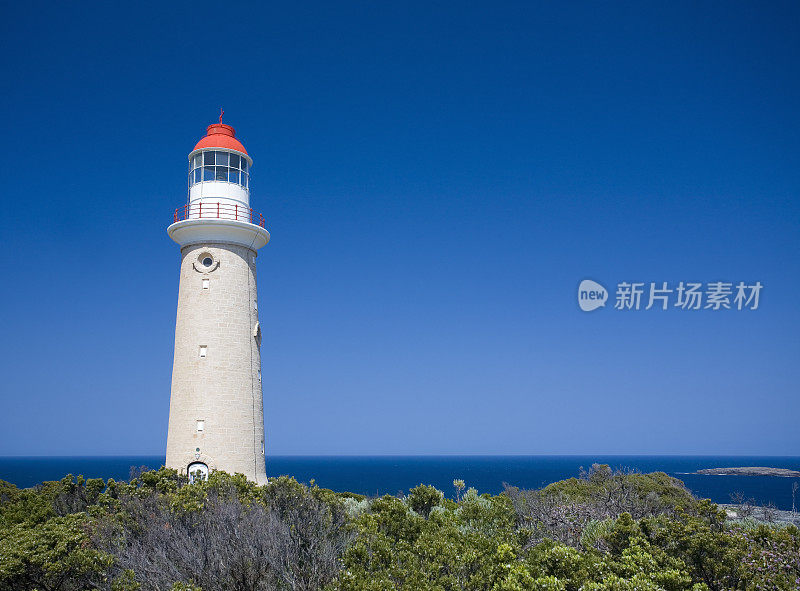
(197, 471)
(216, 417)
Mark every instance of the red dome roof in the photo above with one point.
(220, 135)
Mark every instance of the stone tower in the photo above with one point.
(216, 410)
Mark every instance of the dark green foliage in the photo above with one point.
(159, 532)
(424, 498)
(564, 510)
(465, 545)
(711, 552)
(604, 531)
(618, 492)
(56, 554)
(23, 506)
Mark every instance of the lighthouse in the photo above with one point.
(216, 410)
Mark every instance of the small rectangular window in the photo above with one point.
(203, 350)
(206, 283)
(208, 173)
(234, 160)
(209, 158)
(201, 425)
(222, 158)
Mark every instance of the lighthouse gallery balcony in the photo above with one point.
(219, 211)
(215, 221)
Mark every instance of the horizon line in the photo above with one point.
(427, 455)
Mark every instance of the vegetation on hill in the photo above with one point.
(602, 531)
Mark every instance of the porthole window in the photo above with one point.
(219, 166)
(205, 262)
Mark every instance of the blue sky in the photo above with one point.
(437, 178)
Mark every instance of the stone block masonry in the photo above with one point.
(216, 413)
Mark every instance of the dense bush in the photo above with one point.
(602, 531)
(157, 531)
(564, 510)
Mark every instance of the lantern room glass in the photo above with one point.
(220, 166)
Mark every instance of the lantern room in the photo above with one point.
(219, 168)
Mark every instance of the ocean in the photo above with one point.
(377, 475)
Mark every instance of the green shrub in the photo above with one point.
(424, 498)
(604, 531)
